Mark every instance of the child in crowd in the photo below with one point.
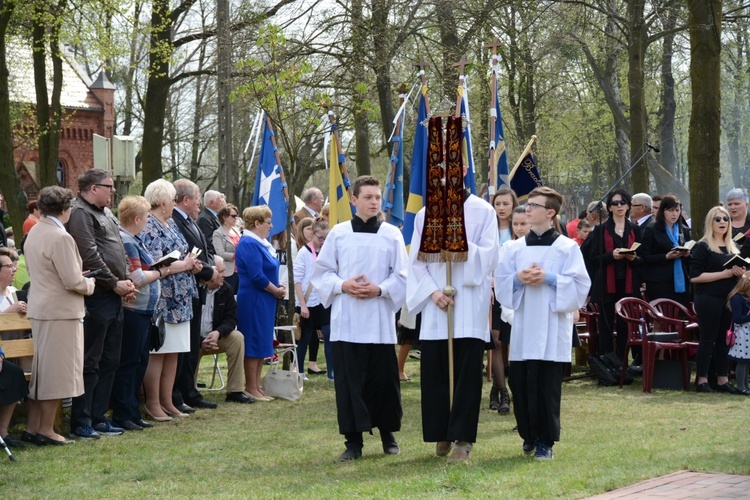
(518, 220)
(584, 229)
(739, 303)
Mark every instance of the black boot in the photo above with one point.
(494, 398)
(504, 407)
(353, 445)
(390, 446)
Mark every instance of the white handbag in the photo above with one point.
(284, 384)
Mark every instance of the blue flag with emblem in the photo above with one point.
(418, 171)
(466, 149)
(525, 177)
(393, 197)
(269, 185)
(498, 142)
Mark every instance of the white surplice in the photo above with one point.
(471, 279)
(543, 319)
(381, 257)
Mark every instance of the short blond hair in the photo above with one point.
(159, 192)
(131, 207)
(251, 215)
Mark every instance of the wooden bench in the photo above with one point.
(21, 348)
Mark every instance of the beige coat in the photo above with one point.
(224, 248)
(56, 310)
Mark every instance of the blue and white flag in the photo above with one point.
(418, 172)
(269, 185)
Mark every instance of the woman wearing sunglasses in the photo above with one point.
(664, 268)
(713, 283)
(615, 273)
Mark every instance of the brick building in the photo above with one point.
(88, 109)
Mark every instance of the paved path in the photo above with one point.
(686, 484)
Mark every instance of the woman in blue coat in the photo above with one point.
(258, 269)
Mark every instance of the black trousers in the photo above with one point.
(713, 322)
(368, 391)
(185, 391)
(440, 422)
(102, 341)
(537, 390)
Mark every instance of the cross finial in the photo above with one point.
(494, 45)
(402, 89)
(421, 64)
(462, 65)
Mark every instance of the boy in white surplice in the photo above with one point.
(544, 277)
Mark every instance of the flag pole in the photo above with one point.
(493, 117)
(278, 158)
(526, 151)
(339, 149)
(394, 153)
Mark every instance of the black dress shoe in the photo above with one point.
(28, 438)
(203, 404)
(728, 388)
(350, 454)
(42, 440)
(390, 446)
(240, 397)
(185, 408)
(319, 372)
(14, 443)
(129, 425)
(704, 387)
(143, 423)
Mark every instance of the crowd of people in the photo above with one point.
(142, 295)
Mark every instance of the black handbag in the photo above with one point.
(158, 331)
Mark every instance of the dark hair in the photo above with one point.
(554, 199)
(31, 206)
(583, 214)
(656, 197)
(667, 202)
(625, 197)
(91, 177)
(53, 200)
(10, 253)
(364, 180)
(583, 223)
(224, 212)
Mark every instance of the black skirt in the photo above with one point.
(319, 316)
(13, 385)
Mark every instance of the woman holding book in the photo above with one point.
(615, 267)
(666, 254)
(714, 275)
(161, 237)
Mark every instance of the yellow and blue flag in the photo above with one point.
(340, 208)
(498, 144)
(418, 171)
(269, 184)
(526, 177)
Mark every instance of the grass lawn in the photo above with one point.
(610, 438)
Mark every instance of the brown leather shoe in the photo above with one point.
(442, 448)
(458, 456)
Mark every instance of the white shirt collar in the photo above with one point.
(643, 219)
(186, 216)
(265, 243)
(312, 212)
(56, 221)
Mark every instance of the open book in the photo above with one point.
(630, 250)
(686, 247)
(736, 260)
(166, 260)
(739, 236)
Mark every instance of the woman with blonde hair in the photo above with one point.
(713, 283)
(161, 237)
(259, 290)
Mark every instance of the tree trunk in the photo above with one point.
(10, 185)
(704, 146)
(451, 52)
(361, 123)
(636, 53)
(733, 126)
(668, 104)
(382, 65)
(157, 91)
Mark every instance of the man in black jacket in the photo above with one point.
(208, 220)
(185, 212)
(219, 332)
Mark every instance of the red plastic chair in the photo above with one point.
(590, 314)
(688, 328)
(641, 318)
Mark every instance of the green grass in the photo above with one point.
(610, 438)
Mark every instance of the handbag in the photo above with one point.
(297, 319)
(158, 331)
(283, 384)
(731, 337)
